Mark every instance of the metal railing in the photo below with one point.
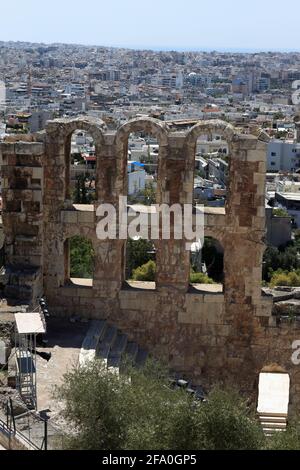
(32, 430)
(19, 436)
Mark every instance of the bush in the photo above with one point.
(200, 278)
(280, 259)
(146, 272)
(278, 212)
(138, 252)
(110, 412)
(225, 422)
(288, 440)
(285, 278)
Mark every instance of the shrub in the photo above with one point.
(288, 440)
(278, 212)
(200, 278)
(285, 278)
(146, 272)
(107, 412)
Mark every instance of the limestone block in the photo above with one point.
(69, 217)
(86, 217)
(37, 173)
(214, 298)
(256, 155)
(210, 313)
(29, 148)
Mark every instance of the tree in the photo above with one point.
(77, 193)
(285, 258)
(149, 194)
(138, 252)
(109, 412)
(81, 258)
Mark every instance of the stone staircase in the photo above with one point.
(106, 342)
(272, 423)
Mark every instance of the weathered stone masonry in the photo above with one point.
(209, 337)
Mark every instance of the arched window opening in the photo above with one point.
(142, 169)
(82, 177)
(79, 261)
(207, 263)
(140, 262)
(211, 170)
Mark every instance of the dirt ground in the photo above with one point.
(64, 343)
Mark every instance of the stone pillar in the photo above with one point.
(54, 202)
(173, 257)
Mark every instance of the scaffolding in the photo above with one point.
(27, 327)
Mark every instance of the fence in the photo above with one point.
(30, 429)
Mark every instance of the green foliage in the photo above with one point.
(288, 440)
(285, 278)
(286, 259)
(81, 258)
(200, 278)
(81, 193)
(149, 194)
(138, 252)
(146, 272)
(111, 412)
(146, 197)
(225, 422)
(279, 212)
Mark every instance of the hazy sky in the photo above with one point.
(159, 24)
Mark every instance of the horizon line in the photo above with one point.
(149, 48)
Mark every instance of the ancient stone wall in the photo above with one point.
(209, 336)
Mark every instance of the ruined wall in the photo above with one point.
(22, 190)
(207, 336)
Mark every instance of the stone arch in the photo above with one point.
(61, 131)
(222, 127)
(151, 126)
(225, 129)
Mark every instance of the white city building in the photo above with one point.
(136, 177)
(283, 156)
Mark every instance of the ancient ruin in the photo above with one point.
(206, 335)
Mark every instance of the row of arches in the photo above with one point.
(206, 263)
(133, 171)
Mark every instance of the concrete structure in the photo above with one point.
(290, 202)
(279, 229)
(209, 335)
(283, 156)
